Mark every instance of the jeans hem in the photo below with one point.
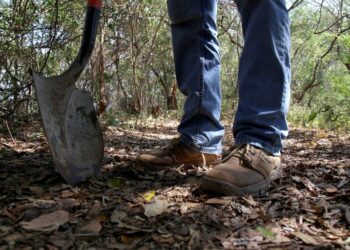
(276, 151)
(206, 150)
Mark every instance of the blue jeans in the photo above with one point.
(263, 80)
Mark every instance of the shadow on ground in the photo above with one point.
(134, 207)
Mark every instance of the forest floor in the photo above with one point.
(132, 207)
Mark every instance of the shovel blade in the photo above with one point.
(71, 127)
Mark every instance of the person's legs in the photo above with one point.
(264, 82)
(264, 75)
(197, 65)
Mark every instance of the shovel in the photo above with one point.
(68, 115)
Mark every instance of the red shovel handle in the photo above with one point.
(95, 4)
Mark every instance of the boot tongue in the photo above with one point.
(236, 152)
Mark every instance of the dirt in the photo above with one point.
(130, 206)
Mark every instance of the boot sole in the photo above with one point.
(174, 165)
(226, 188)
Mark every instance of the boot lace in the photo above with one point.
(242, 152)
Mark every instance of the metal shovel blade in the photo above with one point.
(68, 114)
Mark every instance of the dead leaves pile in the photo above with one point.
(133, 207)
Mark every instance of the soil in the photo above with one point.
(129, 206)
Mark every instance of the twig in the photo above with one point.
(8, 129)
(87, 235)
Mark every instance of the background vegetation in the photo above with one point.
(131, 71)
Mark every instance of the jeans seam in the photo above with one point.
(193, 146)
(202, 68)
(283, 106)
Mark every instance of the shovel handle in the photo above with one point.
(90, 32)
(95, 4)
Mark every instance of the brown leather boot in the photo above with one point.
(178, 153)
(246, 170)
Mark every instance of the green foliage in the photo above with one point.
(328, 106)
(268, 234)
(321, 69)
(137, 77)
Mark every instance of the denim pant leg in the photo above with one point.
(264, 75)
(197, 66)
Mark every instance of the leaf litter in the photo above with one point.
(47, 222)
(130, 206)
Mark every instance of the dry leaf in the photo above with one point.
(114, 183)
(67, 194)
(5, 229)
(37, 190)
(118, 215)
(94, 226)
(14, 237)
(188, 206)
(216, 201)
(67, 204)
(47, 222)
(246, 210)
(307, 183)
(129, 239)
(163, 239)
(194, 242)
(331, 189)
(250, 201)
(61, 243)
(307, 239)
(155, 208)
